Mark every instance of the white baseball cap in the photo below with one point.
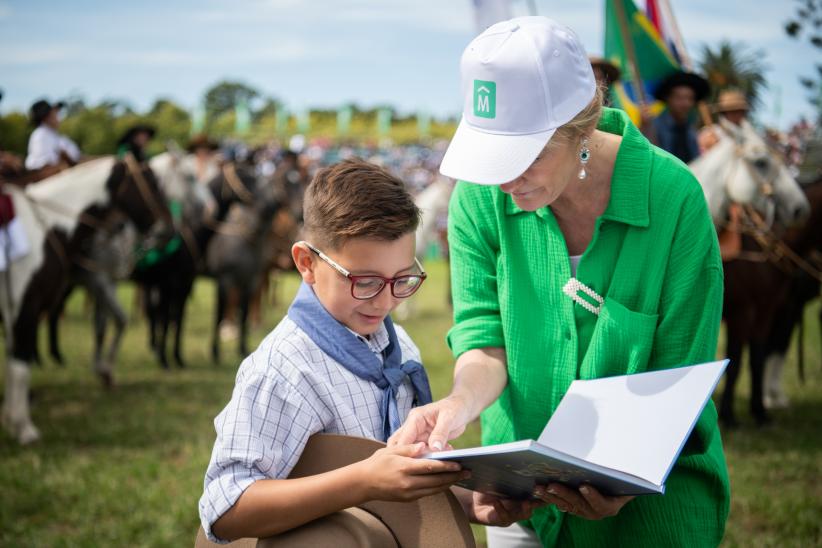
(521, 80)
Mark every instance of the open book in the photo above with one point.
(620, 434)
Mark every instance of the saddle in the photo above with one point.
(730, 238)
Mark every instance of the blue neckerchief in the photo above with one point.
(344, 347)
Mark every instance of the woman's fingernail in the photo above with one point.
(584, 490)
(552, 491)
(436, 446)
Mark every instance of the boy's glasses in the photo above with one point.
(368, 287)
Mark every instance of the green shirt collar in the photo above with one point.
(629, 183)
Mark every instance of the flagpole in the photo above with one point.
(629, 51)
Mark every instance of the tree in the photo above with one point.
(224, 96)
(807, 23)
(731, 65)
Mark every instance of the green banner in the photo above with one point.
(242, 117)
(384, 121)
(344, 120)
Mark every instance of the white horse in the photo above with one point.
(741, 169)
(61, 216)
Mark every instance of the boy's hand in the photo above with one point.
(394, 474)
(435, 424)
(488, 509)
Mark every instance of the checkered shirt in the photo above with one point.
(285, 391)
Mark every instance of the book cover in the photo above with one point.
(620, 434)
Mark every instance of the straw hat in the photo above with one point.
(437, 520)
(730, 100)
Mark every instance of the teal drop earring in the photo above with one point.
(584, 156)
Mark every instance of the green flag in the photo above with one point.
(304, 121)
(424, 123)
(653, 58)
(198, 120)
(384, 121)
(242, 117)
(344, 120)
(282, 119)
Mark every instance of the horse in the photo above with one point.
(741, 172)
(803, 287)
(741, 169)
(60, 215)
(167, 281)
(112, 259)
(236, 258)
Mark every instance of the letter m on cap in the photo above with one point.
(485, 99)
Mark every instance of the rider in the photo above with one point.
(673, 130)
(49, 152)
(135, 140)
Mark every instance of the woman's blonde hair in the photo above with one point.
(583, 123)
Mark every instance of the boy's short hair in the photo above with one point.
(357, 199)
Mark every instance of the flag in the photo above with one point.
(655, 62)
(424, 123)
(281, 124)
(384, 121)
(344, 120)
(242, 117)
(198, 120)
(663, 21)
(304, 121)
(488, 12)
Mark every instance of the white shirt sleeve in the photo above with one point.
(70, 148)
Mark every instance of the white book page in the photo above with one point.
(632, 423)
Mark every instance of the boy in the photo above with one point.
(334, 364)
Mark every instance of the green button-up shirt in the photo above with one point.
(654, 258)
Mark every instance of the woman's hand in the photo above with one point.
(433, 424)
(490, 510)
(586, 503)
(394, 474)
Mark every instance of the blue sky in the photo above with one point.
(323, 52)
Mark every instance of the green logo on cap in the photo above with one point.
(485, 99)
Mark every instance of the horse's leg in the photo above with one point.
(163, 320)
(16, 412)
(179, 318)
(757, 359)
(55, 313)
(735, 342)
(245, 302)
(218, 318)
(108, 305)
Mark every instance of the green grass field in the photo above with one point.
(125, 467)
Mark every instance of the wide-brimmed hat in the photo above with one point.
(41, 109)
(730, 100)
(134, 130)
(694, 81)
(437, 520)
(521, 80)
(610, 70)
(201, 141)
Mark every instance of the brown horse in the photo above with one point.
(61, 215)
(765, 294)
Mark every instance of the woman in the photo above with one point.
(578, 250)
